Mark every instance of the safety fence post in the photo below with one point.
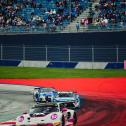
(46, 49)
(1, 53)
(69, 55)
(24, 52)
(117, 54)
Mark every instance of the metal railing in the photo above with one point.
(61, 29)
(63, 53)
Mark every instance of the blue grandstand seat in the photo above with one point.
(41, 8)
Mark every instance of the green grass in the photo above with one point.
(25, 72)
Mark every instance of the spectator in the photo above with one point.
(86, 23)
(82, 21)
(77, 26)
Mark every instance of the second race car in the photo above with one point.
(68, 96)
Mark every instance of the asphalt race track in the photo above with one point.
(14, 100)
(95, 111)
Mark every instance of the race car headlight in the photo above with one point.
(54, 116)
(21, 119)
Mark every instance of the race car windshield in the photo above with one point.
(69, 105)
(46, 90)
(65, 95)
(44, 109)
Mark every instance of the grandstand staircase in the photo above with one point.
(72, 26)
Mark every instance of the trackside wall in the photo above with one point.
(95, 39)
(75, 65)
(63, 39)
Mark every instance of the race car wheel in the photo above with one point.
(75, 119)
(68, 115)
(63, 121)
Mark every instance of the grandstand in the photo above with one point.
(45, 16)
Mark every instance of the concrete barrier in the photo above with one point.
(55, 64)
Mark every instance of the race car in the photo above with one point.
(68, 97)
(44, 94)
(48, 114)
(36, 94)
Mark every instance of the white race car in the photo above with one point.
(68, 97)
(48, 114)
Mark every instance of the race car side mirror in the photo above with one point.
(64, 109)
